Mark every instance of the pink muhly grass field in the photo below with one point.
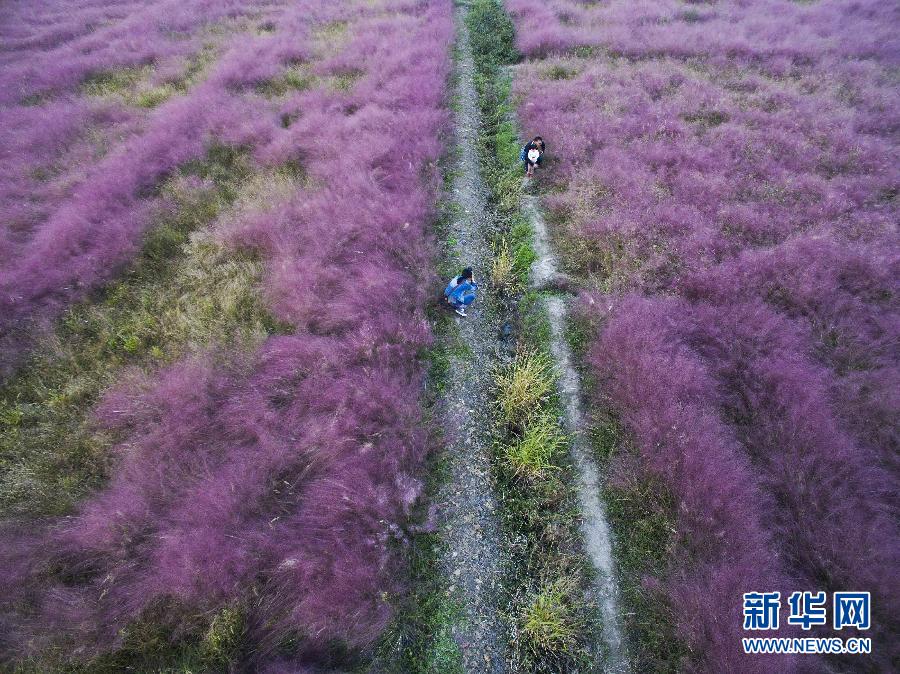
(282, 481)
(730, 174)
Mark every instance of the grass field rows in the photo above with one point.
(232, 411)
(212, 445)
(723, 187)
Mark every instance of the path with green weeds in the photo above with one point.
(526, 550)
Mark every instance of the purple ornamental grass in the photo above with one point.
(731, 170)
(48, 128)
(97, 228)
(52, 48)
(292, 474)
(722, 540)
(841, 297)
(684, 197)
(826, 499)
(282, 481)
(99, 224)
(770, 34)
(47, 152)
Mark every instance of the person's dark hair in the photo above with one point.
(536, 138)
(466, 273)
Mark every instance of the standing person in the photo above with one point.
(460, 292)
(533, 154)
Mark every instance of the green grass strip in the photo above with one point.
(553, 625)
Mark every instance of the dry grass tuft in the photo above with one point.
(523, 386)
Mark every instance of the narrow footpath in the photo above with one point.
(475, 560)
(594, 522)
(468, 511)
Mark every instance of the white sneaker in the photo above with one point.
(461, 311)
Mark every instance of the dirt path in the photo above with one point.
(475, 560)
(594, 523)
(468, 512)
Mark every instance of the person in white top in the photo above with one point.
(533, 154)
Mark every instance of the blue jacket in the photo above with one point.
(456, 292)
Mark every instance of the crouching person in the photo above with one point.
(460, 292)
(532, 155)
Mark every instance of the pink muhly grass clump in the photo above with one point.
(85, 236)
(665, 397)
(71, 234)
(813, 479)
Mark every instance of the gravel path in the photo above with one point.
(467, 509)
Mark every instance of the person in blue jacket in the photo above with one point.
(460, 292)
